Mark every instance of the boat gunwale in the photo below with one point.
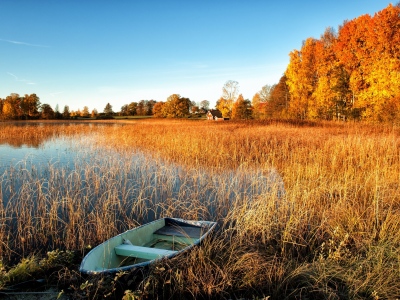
(144, 264)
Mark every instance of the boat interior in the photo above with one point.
(154, 240)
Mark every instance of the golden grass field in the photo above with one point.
(333, 234)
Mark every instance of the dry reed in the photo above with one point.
(334, 233)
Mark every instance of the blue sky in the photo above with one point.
(90, 53)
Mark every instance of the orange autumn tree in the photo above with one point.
(325, 98)
(355, 73)
(353, 55)
(302, 80)
(383, 69)
(157, 110)
(368, 48)
(241, 108)
(12, 107)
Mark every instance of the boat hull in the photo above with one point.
(147, 244)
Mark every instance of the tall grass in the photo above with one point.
(333, 233)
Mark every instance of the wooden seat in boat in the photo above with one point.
(181, 231)
(142, 252)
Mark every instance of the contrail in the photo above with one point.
(16, 78)
(22, 43)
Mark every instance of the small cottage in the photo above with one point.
(215, 115)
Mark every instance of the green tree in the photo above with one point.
(66, 113)
(132, 108)
(46, 112)
(108, 110)
(57, 113)
(279, 101)
(241, 108)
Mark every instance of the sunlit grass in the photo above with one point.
(333, 233)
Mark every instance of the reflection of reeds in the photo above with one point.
(104, 192)
(33, 134)
(340, 209)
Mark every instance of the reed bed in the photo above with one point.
(331, 232)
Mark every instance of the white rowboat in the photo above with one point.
(145, 245)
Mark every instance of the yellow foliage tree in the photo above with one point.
(8, 110)
(224, 107)
(302, 79)
(256, 106)
(157, 110)
(176, 107)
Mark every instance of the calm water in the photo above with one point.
(39, 152)
(144, 176)
(59, 180)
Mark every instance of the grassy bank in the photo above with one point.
(334, 233)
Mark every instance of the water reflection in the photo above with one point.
(18, 140)
(72, 191)
(66, 164)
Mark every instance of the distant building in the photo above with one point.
(215, 115)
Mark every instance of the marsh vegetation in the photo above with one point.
(306, 209)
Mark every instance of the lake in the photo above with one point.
(62, 186)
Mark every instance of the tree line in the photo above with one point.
(350, 74)
(271, 101)
(231, 104)
(353, 73)
(28, 107)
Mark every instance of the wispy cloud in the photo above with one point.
(52, 94)
(22, 43)
(16, 78)
(22, 80)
